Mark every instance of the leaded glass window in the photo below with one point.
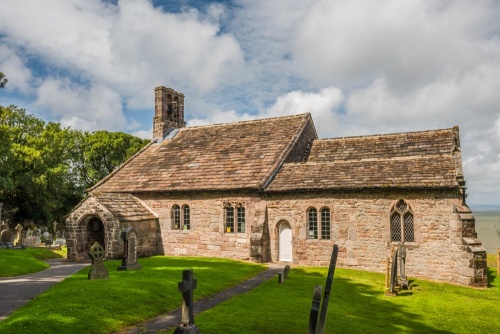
(240, 211)
(229, 218)
(325, 223)
(402, 226)
(312, 223)
(176, 217)
(186, 218)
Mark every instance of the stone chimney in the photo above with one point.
(169, 112)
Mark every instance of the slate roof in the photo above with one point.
(243, 155)
(125, 207)
(423, 159)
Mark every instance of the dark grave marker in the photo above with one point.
(403, 280)
(129, 259)
(313, 316)
(317, 326)
(98, 270)
(281, 278)
(286, 271)
(186, 287)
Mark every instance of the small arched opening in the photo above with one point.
(285, 246)
(95, 233)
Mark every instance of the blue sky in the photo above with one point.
(359, 66)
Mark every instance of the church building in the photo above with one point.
(270, 190)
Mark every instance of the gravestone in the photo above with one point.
(98, 270)
(17, 241)
(129, 259)
(7, 236)
(286, 271)
(317, 326)
(186, 287)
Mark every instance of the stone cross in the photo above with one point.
(186, 287)
(98, 270)
(403, 280)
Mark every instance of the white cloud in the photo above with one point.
(220, 116)
(81, 107)
(11, 65)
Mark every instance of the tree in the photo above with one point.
(45, 169)
(102, 152)
(3, 80)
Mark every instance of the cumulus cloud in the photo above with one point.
(81, 107)
(12, 66)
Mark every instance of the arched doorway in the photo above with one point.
(285, 242)
(95, 232)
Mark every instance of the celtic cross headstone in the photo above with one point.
(98, 270)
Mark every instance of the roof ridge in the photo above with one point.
(386, 134)
(246, 121)
(409, 157)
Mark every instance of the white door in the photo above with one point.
(285, 243)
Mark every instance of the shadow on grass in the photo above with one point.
(492, 276)
(284, 308)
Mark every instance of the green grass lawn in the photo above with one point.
(78, 305)
(358, 305)
(16, 262)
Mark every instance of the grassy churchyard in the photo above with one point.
(357, 303)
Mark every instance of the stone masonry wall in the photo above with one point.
(76, 232)
(207, 236)
(361, 228)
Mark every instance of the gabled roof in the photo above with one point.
(426, 159)
(243, 155)
(125, 207)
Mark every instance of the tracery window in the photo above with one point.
(402, 227)
(181, 219)
(234, 224)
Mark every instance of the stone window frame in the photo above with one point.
(234, 218)
(402, 222)
(180, 217)
(317, 231)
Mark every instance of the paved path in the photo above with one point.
(16, 291)
(173, 319)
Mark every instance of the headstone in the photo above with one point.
(98, 270)
(17, 241)
(186, 287)
(280, 277)
(313, 316)
(403, 280)
(286, 271)
(328, 287)
(129, 259)
(6, 236)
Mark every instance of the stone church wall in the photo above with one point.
(360, 225)
(207, 236)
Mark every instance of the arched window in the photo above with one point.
(181, 219)
(312, 223)
(229, 213)
(186, 217)
(402, 228)
(234, 218)
(176, 217)
(325, 223)
(240, 216)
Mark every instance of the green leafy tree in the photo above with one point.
(3, 80)
(103, 151)
(45, 169)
